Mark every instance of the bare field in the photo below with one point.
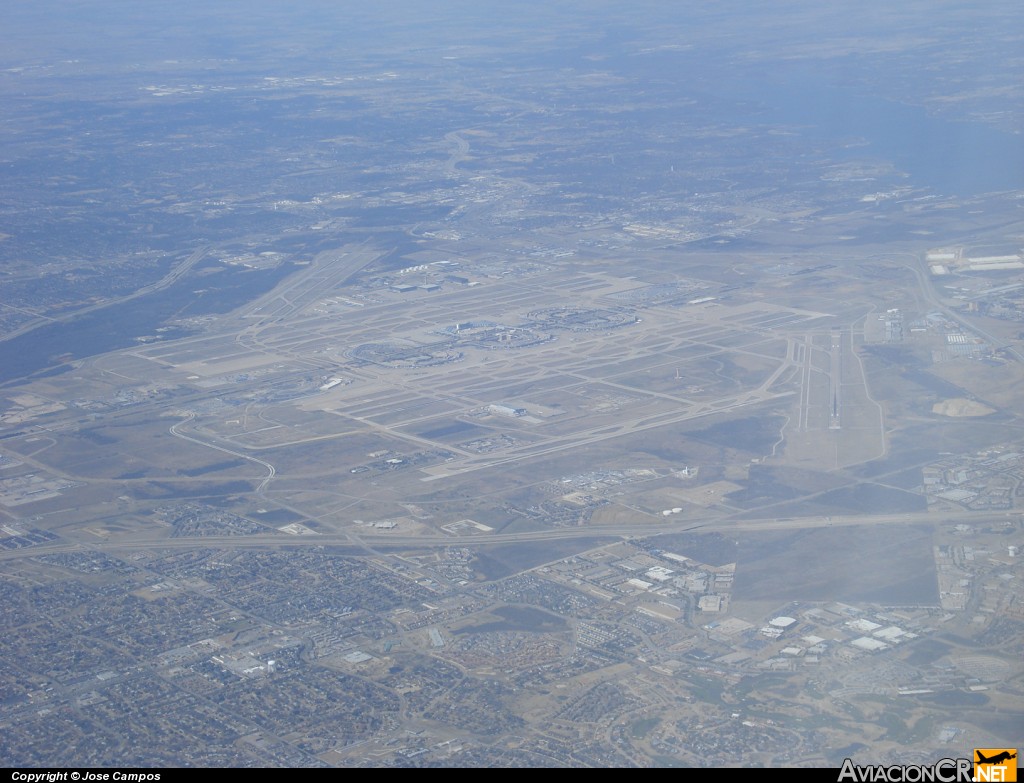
(890, 566)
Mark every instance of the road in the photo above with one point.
(271, 472)
(928, 291)
(374, 540)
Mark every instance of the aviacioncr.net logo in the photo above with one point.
(942, 771)
(995, 765)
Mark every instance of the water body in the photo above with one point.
(519, 618)
(949, 157)
(836, 108)
(117, 326)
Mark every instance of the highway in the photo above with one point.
(928, 291)
(372, 539)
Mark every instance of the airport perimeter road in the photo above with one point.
(271, 472)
